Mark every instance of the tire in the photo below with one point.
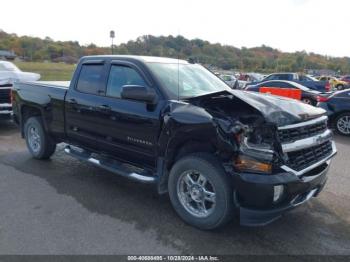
(38, 142)
(342, 124)
(308, 101)
(201, 165)
(339, 87)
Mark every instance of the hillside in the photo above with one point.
(263, 59)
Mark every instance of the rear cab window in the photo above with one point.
(91, 79)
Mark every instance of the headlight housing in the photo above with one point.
(247, 164)
(256, 150)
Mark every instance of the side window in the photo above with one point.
(271, 77)
(277, 84)
(285, 85)
(120, 76)
(302, 78)
(284, 77)
(90, 79)
(268, 84)
(278, 77)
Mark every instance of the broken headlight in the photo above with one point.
(256, 150)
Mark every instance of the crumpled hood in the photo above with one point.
(279, 110)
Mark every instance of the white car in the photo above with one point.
(9, 73)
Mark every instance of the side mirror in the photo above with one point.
(139, 93)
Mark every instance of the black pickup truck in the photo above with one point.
(217, 152)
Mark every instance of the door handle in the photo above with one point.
(72, 101)
(104, 108)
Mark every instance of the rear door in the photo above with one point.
(81, 104)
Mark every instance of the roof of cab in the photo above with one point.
(145, 59)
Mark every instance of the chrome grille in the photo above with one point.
(301, 132)
(301, 159)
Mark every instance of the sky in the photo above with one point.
(319, 26)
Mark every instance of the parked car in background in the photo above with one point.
(308, 95)
(308, 81)
(247, 78)
(346, 79)
(10, 73)
(5, 102)
(254, 77)
(231, 80)
(337, 106)
(335, 82)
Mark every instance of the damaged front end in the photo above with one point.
(249, 148)
(277, 151)
(245, 140)
(247, 127)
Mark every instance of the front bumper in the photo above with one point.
(254, 193)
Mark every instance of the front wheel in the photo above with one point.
(38, 142)
(200, 191)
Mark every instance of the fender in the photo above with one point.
(39, 103)
(182, 123)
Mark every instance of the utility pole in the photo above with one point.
(112, 35)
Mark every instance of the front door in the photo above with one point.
(130, 128)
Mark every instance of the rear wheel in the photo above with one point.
(342, 124)
(38, 142)
(200, 191)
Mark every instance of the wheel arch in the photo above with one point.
(334, 117)
(178, 148)
(28, 111)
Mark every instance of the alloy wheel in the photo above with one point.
(34, 139)
(343, 125)
(196, 193)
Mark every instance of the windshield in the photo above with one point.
(310, 78)
(187, 80)
(6, 66)
(256, 77)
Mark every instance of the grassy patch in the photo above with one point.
(48, 71)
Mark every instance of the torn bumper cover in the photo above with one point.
(258, 201)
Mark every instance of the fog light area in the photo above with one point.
(277, 193)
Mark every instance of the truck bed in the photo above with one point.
(56, 84)
(49, 97)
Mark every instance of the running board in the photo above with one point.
(111, 165)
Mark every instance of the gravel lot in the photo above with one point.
(64, 206)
